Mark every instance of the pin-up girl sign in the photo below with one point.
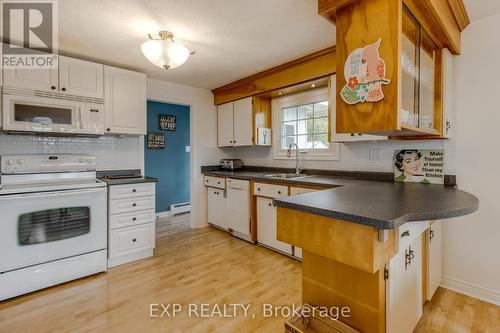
(364, 73)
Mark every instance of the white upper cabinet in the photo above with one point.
(243, 122)
(350, 137)
(37, 79)
(124, 101)
(73, 77)
(225, 132)
(81, 78)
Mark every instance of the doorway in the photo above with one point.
(170, 163)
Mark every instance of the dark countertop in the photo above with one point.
(137, 179)
(124, 181)
(381, 204)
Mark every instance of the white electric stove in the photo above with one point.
(53, 224)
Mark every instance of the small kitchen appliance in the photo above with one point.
(231, 164)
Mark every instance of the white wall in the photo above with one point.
(471, 252)
(353, 156)
(204, 149)
(111, 152)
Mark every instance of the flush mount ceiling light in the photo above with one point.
(162, 51)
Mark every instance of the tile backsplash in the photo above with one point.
(111, 152)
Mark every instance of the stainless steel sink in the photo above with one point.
(286, 175)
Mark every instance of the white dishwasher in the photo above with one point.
(238, 208)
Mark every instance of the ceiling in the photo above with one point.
(478, 9)
(232, 38)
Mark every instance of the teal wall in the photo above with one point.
(171, 165)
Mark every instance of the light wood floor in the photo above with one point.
(201, 266)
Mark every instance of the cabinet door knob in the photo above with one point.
(134, 204)
(269, 204)
(405, 234)
(134, 240)
(279, 192)
(134, 218)
(63, 89)
(108, 129)
(258, 189)
(134, 190)
(352, 134)
(53, 87)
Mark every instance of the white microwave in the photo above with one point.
(28, 113)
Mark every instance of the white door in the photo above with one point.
(243, 122)
(81, 78)
(266, 226)
(404, 289)
(216, 207)
(37, 79)
(225, 125)
(124, 101)
(434, 268)
(238, 210)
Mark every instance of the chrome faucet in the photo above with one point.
(289, 154)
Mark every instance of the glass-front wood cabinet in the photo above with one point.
(419, 62)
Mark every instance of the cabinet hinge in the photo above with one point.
(386, 274)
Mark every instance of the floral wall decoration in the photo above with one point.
(364, 73)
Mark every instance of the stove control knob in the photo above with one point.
(20, 161)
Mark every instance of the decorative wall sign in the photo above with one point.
(167, 123)
(364, 73)
(419, 166)
(156, 141)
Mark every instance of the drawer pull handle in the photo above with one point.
(405, 234)
(134, 218)
(270, 205)
(134, 240)
(134, 190)
(134, 204)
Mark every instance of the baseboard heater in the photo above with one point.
(180, 208)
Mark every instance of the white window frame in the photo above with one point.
(312, 96)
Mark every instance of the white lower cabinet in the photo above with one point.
(266, 226)
(404, 289)
(238, 208)
(433, 237)
(131, 222)
(217, 207)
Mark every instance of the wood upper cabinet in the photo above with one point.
(81, 78)
(386, 34)
(124, 101)
(238, 122)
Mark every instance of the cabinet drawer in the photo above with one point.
(270, 190)
(128, 240)
(410, 231)
(118, 206)
(301, 190)
(131, 190)
(238, 184)
(217, 182)
(129, 219)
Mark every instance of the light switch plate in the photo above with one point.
(375, 154)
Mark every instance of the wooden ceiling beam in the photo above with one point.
(304, 69)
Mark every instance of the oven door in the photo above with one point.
(41, 114)
(41, 227)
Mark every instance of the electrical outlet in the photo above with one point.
(375, 154)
